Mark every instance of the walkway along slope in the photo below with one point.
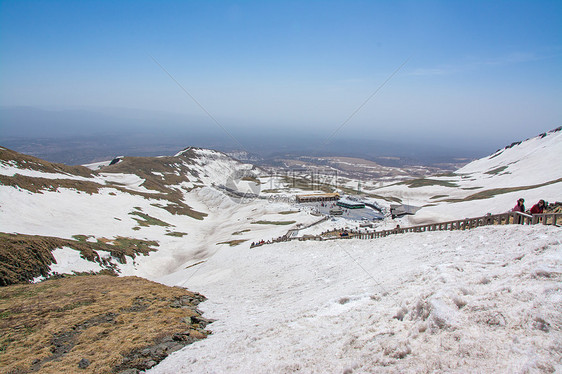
(509, 218)
(470, 223)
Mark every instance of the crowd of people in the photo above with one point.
(262, 242)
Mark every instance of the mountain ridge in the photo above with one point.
(161, 198)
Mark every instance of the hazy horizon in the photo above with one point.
(462, 78)
(111, 132)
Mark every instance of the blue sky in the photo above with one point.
(486, 72)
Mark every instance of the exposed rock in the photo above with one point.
(129, 371)
(84, 363)
(143, 359)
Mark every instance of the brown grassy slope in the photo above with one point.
(23, 161)
(24, 257)
(141, 166)
(145, 166)
(39, 184)
(169, 167)
(115, 323)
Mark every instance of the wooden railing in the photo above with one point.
(511, 218)
(470, 223)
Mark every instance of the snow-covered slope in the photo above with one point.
(531, 169)
(485, 301)
(519, 157)
(170, 200)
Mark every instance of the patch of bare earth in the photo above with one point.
(95, 324)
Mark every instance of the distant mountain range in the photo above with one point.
(82, 136)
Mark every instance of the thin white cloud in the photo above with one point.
(441, 70)
(475, 64)
(513, 58)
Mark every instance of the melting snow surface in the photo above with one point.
(485, 300)
(69, 260)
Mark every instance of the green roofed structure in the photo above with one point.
(350, 204)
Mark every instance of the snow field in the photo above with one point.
(98, 165)
(533, 162)
(129, 181)
(66, 212)
(485, 300)
(476, 208)
(532, 154)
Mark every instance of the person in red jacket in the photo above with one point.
(538, 208)
(520, 207)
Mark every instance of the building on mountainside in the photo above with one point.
(397, 211)
(309, 198)
(336, 212)
(351, 204)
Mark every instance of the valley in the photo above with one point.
(189, 221)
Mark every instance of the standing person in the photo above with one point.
(520, 207)
(538, 208)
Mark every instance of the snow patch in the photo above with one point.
(69, 260)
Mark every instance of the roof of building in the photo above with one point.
(403, 209)
(351, 202)
(328, 194)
